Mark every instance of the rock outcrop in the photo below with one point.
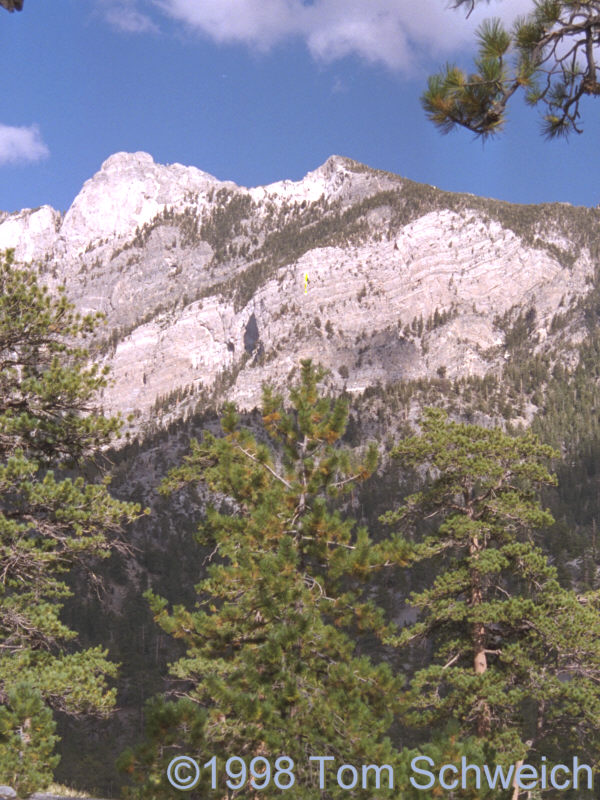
(202, 281)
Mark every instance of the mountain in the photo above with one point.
(414, 296)
(204, 287)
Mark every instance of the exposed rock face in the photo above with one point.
(34, 232)
(129, 191)
(198, 276)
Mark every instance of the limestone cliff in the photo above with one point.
(203, 282)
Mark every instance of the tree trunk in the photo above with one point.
(479, 640)
(515, 794)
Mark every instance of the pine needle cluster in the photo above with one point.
(549, 53)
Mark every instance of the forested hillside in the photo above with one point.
(563, 393)
(494, 323)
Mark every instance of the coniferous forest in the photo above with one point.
(377, 573)
(295, 582)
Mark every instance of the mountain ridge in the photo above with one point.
(405, 281)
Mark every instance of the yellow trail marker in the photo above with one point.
(305, 282)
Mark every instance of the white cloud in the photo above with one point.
(123, 15)
(21, 144)
(130, 20)
(397, 33)
(260, 23)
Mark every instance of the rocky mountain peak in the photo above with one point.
(334, 165)
(210, 288)
(125, 161)
(128, 191)
(338, 178)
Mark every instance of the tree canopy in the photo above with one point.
(50, 520)
(271, 661)
(516, 656)
(550, 54)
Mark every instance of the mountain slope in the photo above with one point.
(414, 296)
(203, 282)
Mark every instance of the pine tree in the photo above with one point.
(12, 5)
(27, 736)
(516, 656)
(554, 62)
(271, 660)
(48, 522)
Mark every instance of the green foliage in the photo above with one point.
(26, 740)
(445, 745)
(271, 659)
(168, 725)
(48, 522)
(439, 318)
(226, 220)
(553, 63)
(517, 329)
(504, 632)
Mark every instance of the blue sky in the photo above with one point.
(255, 91)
